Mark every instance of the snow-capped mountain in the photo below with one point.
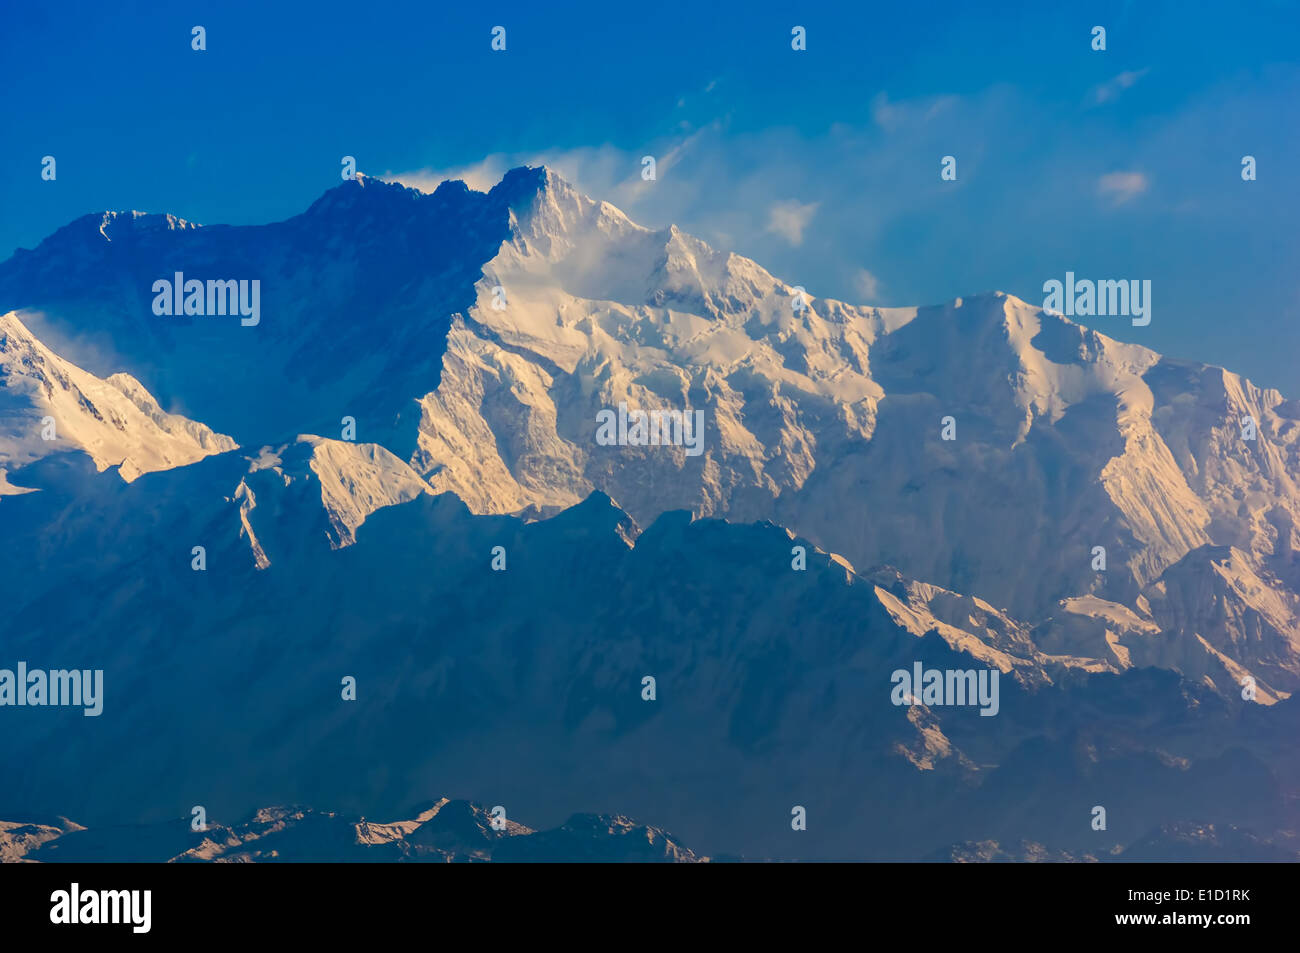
(48, 405)
(426, 383)
(829, 420)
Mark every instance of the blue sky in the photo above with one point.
(822, 165)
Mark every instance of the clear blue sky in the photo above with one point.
(822, 165)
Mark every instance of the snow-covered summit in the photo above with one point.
(48, 406)
(982, 445)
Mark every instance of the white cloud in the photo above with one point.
(602, 172)
(1121, 187)
(1112, 88)
(480, 176)
(789, 219)
(867, 195)
(734, 189)
(867, 285)
(891, 116)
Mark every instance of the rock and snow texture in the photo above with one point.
(600, 311)
(446, 832)
(115, 420)
(355, 479)
(825, 418)
(320, 492)
(18, 839)
(473, 338)
(828, 419)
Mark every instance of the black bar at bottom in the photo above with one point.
(1226, 902)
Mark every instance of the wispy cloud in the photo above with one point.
(789, 219)
(867, 285)
(836, 210)
(1112, 88)
(1121, 187)
(603, 172)
(480, 176)
(894, 115)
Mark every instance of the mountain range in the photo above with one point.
(395, 478)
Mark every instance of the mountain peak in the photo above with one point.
(521, 185)
(114, 226)
(362, 191)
